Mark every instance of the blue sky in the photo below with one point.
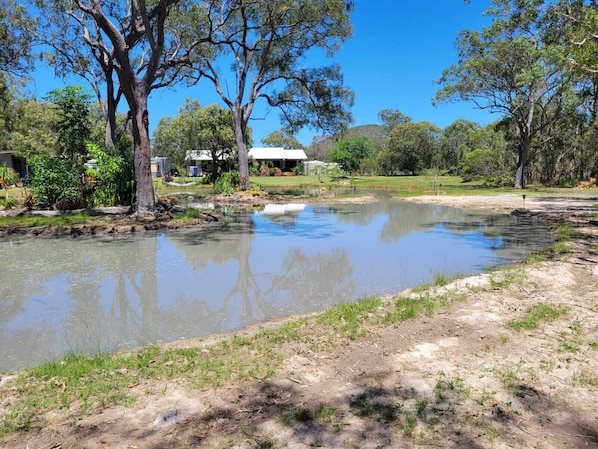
(398, 49)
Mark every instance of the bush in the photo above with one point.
(54, 179)
(104, 188)
(228, 182)
(8, 203)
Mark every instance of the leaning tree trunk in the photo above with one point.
(145, 197)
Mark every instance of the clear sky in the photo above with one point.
(398, 49)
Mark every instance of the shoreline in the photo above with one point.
(459, 375)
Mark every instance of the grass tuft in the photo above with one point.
(536, 314)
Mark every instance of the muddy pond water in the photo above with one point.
(93, 295)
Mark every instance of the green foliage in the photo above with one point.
(73, 126)
(15, 39)
(288, 32)
(480, 163)
(197, 129)
(345, 318)
(104, 178)
(283, 138)
(53, 179)
(7, 177)
(228, 182)
(351, 151)
(411, 148)
(518, 66)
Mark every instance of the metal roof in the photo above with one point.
(258, 154)
(276, 153)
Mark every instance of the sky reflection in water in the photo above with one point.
(62, 296)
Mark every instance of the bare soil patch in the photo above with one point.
(462, 377)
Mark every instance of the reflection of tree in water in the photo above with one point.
(76, 321)
(320, 280)
(245, 300)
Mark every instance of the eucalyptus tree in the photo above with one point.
(284, 138)
(456, 141)
(511, 68)
(580, 17)
(411, 148)
(351, 151)
(580, 22)
(130, 43)
(265, 45)
(15, 42)
(392, 117)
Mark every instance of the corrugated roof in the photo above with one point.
(259, 154)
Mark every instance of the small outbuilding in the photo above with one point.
(309, 167)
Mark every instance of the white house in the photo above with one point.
(278, 156)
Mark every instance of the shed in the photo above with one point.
(310, 166)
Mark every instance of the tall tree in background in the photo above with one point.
(132, 41)
(411, 147)
(265, 44)
(392, 117)
(73, 126)
(512, 69)
(283, 138)
(351, 151)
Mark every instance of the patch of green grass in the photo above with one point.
(586, 378)
(507, 278)
(304, 414)
(407, 308)
(537, 257)
(371, 404)
(513, 373)
(105, 380)
(561, 248)
(409, 425)
(421, 407)
(536, 314)
(345, 318)
(34, 221)
(564, 232)
(441, 279)
(189, 214)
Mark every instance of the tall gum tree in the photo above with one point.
(263, 47)
(131, 43)
(510, 68)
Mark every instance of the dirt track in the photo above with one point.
(460, 378)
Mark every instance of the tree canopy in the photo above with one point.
(196, 129)
(515, 67)
(265, 44)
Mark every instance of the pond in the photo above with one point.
(93, 295)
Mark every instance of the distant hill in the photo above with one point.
(317, 150)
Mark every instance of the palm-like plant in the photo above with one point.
(8, 176)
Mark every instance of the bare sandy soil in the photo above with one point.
(460, 378)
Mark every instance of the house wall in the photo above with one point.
(6, 159)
